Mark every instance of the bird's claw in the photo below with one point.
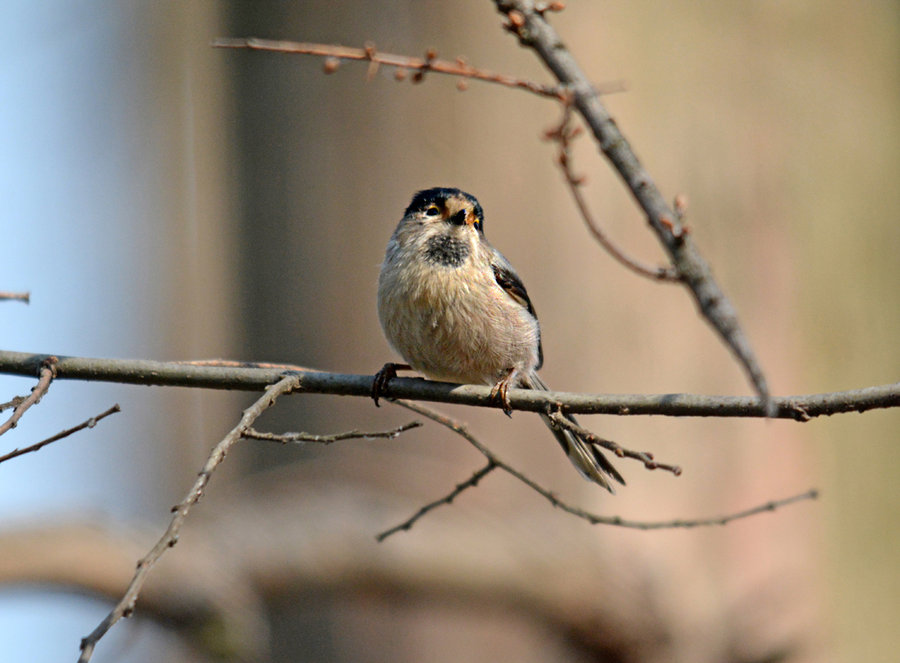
(500, 394)
(387, 373)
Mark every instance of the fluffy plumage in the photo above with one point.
(454, 308)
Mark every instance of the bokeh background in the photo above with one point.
(165, 200)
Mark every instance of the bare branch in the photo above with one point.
(13, 402)
(24, 297)
(125, 606)
(471, 482)
(333, 55)
(300, 438)
(199, 375)
(563, 134)
(528, 23)
(46, 372)
(644, 456)
(90, 423)
(592, 518)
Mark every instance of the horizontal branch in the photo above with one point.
(16, 296)
(302, 438)
(430, 63)
(249, 378)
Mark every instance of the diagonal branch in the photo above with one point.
(471, 482)
(563, 134)
(527, 21)
(592, 518)
(15, 401)
(644, 456)
(46, 373)
(90, 423)
(125, 606)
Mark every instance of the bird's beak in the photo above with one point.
(471, 219)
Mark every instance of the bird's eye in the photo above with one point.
(432, 210)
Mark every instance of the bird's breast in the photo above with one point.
(454, 323)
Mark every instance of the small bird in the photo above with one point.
(454, 308)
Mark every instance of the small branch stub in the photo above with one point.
(24, 297)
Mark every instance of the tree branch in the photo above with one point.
(46, 371)
(592, 438)
(300, 438)
(247, 378)
(333, 55)
(592, 518)
(527, 21)
(563, 134)
(125, 606)
(90, 423)
(471, 482)
(13, 402)
(24, 297)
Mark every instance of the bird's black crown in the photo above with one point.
(438, 195)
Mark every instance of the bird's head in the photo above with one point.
(446, 206)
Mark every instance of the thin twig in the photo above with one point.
(125, 606)
(14, 402)
(471, 482)
(772, 505)
(182, 374)
(46, 373)
(300, 438)
(563, 134)
(24, 297)
(90, 423)
(528, 22)
(593, 518)
(231, 363)
(420, 66)
(644, 456)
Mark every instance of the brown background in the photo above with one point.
(278, 188)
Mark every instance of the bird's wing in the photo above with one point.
(507, 279)
(512, 285)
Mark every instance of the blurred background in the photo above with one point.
(166, 200)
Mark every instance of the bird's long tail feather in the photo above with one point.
(587, 458)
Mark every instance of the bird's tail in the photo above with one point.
(586, 457)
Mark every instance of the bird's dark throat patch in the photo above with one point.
(446, 250)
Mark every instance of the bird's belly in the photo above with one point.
(471, 333)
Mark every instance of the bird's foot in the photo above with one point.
(500, 392)
(387, 373)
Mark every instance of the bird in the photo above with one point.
(455, 309)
